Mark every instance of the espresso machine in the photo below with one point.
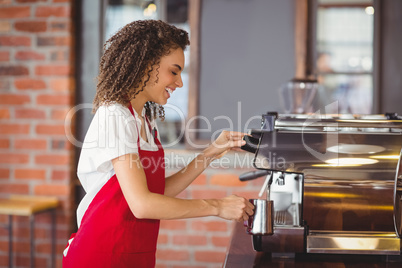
(333, 184)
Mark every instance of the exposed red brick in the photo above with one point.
(41, 233)
(52, 159)
(200, 180)
(173, 224)
(210, 226)
(21, 232)
(20, 246)
(60, 145)
(5, 2)
(4, 56)
(4, 85)
(4, 143)
(52, 189)
(4, 173)
(210, 256)
(59, 114)
(59, 55)
(52, 11)
(61, 84)
(227, 180)
(3, 218)
(13, 99)
(29, 55)
(163, 239)
(221, 241)
(172, 255)
(14, 128)
(11, 158)
(14, 188)
(60, 26)
(14, 12)
(50, 129)
(31, 26)
(44, 248)
(184, 194)
(190, 240)
(53, 99)
(32, 144)
(4, 114)
(53, 70)
(13, 70)
(30, 113)
(30, 174)
(5, 26)
(60, 175)
(15, 41)
(28, 83)
(209, 194)
(30, 1)
(247, 194)
(53, 41)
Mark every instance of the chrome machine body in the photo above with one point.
(335, 182)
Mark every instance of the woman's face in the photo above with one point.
(169, 78)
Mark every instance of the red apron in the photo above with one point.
(110, 235)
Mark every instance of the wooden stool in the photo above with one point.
(28, 205)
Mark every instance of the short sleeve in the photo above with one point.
(112, 133)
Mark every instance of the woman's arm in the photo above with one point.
(145, 204)
(179, 181)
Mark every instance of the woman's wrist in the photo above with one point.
(206, 156)
(214, 206)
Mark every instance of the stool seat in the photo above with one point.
(29, 205)
(26, 205)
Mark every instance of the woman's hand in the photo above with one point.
(226, 141)
(235, 208)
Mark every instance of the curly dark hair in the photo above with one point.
(128, 54)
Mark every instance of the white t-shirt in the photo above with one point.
(112, 133)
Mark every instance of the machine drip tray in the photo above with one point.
(379, 243)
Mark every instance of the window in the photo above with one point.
(343, 52)
(119, 13)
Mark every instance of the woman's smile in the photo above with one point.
(169, 91)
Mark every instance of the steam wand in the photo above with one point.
(267, 185)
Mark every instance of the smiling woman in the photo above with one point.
(127, 193)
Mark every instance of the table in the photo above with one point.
(240, 254)
(27, 205)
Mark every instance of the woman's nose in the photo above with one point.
(179, 82)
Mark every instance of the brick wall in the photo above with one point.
(36, 91)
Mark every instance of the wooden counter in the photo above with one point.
(240, 254)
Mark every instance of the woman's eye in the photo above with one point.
(174, 73)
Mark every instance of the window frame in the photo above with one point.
(308, 26)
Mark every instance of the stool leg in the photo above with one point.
(10, 241)
(31, 236)
(53, 237)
